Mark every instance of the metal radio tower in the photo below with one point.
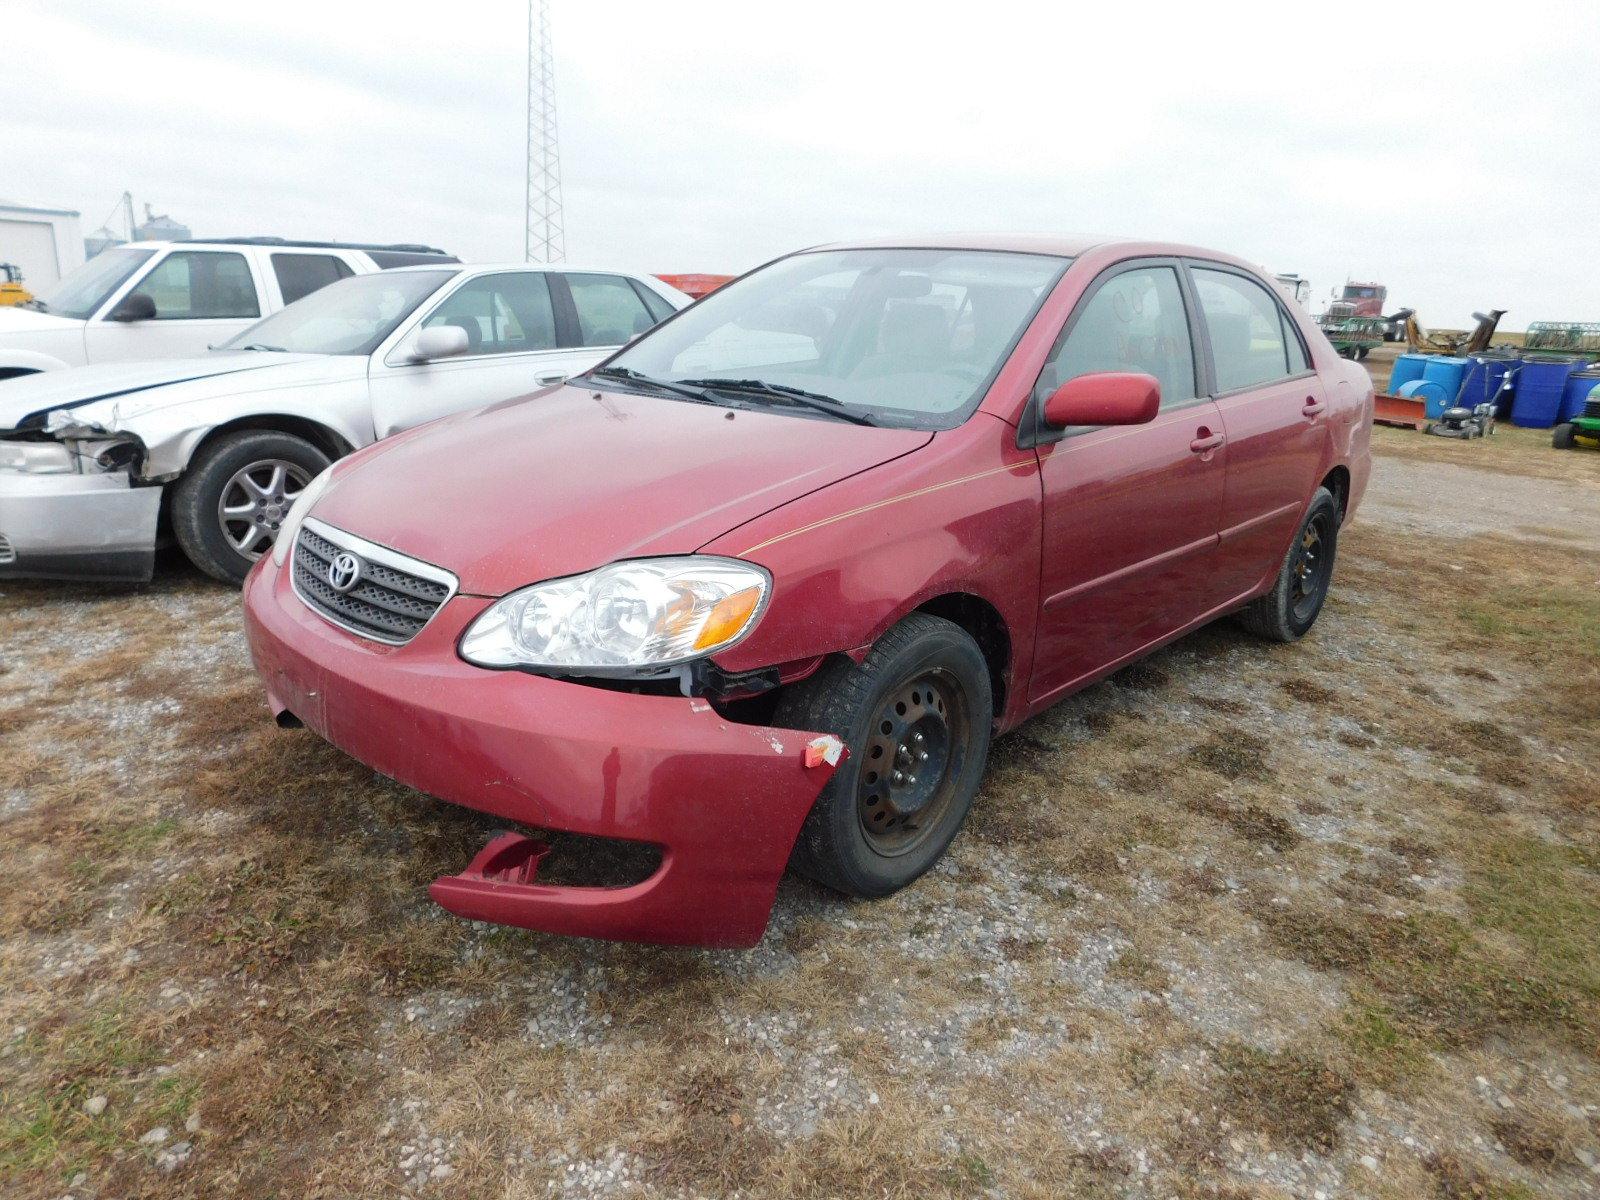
(544, 240)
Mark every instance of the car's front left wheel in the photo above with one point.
(227, 510)
(916, 714)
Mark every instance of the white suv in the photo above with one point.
(174, 299)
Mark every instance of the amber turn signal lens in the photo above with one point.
(727, 618)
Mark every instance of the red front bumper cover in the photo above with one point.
(724, 801)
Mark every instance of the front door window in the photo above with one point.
(192, 285)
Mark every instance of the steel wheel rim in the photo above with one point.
(1312, 562)
(255, 501)
(909, 763)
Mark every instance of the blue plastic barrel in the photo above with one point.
(1434, 398)
(1541, 386)
(1579, 385)
(1447, 372)
(1484, 383)
(1406, 368)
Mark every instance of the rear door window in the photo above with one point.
(1134, 321)
(507, 313)
(301, 274)
(200, 284)
(609, 310)
(1249, 344)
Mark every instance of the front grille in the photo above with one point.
(393, 598)
(7, 554)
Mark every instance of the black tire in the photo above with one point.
(1563, 435)
(196, 500)
(857, 839)
(1289, 610)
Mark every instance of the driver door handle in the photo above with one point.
(1312, 406)
(1205, 441)
(551, 377)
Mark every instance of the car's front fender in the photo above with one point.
(960, 517)
(172, 435)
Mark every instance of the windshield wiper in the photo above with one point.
(262, 346)
(629, 375)
(815, 401)
(36, 304)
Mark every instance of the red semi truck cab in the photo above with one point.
(1360, 300)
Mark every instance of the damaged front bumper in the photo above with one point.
(77, 526)
(724, 802)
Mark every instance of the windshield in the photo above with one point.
(905, 337)
(352, 316)
(84, 289)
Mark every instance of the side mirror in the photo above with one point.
(1104, 398)
(439, 341)
(135, 306)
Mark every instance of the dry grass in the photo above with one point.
(1298, 1101)
(1214, 917)
(1509, 451)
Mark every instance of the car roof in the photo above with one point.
(1023, 243)
(1063, 246)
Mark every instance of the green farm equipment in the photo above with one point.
(1583, 429)
(1354, 337)
(1564, 337)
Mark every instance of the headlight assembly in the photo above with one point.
(290, 528)
(36, 458)
(629, 618)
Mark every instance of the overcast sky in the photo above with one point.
(1444, 149)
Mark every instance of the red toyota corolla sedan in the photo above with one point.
(760, 589)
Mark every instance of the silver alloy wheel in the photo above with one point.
(255, 501)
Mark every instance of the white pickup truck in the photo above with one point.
(147, 300)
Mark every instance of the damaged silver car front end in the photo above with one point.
(73, 504)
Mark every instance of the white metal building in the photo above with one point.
(44, 242)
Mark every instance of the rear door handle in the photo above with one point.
(1206, 441)
(1312, 406)
(553, 377)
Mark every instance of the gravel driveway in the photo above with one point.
(1445, 500)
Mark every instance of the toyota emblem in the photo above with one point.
(344, 572)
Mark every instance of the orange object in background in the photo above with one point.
(695, 285)
(1398, 410)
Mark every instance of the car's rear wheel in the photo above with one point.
(916, 714)
(227, 510)
(1289, 610)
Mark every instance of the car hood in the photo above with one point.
(113, 393)
(16, 319)
(562, 482)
